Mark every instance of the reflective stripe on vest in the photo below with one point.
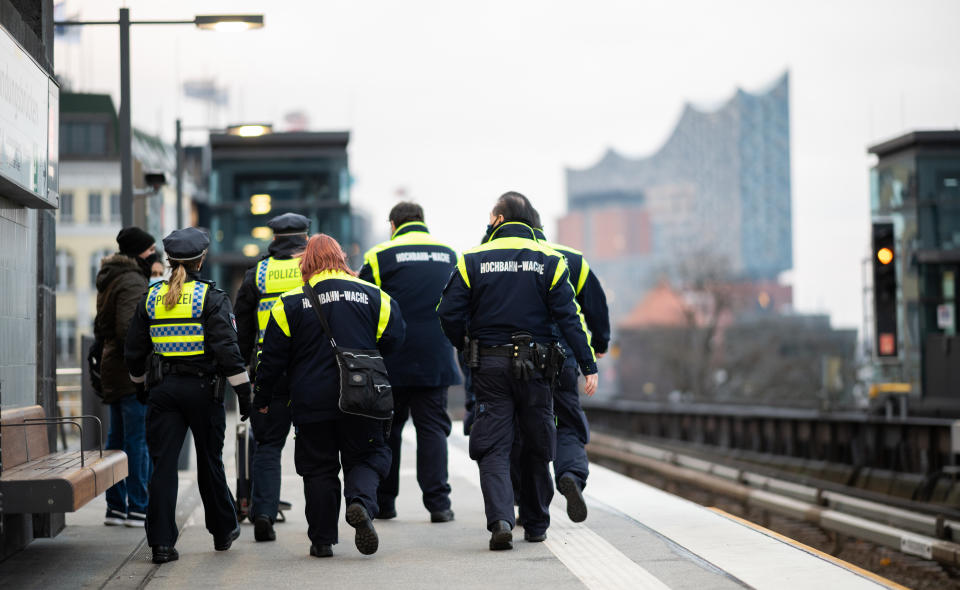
(274, 278)
(177, 331)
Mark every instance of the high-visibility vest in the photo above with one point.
(274, 278)
(177, 331)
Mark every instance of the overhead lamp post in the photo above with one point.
(225, 22)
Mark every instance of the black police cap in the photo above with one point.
(186, 244)
(289, 223)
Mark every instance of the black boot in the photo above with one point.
(222, 544)
(263, 528)
(501, 537)
(532, 538)
(321, 550)
(366, 538)
(163, 554)
(441, 516)
(576, 507)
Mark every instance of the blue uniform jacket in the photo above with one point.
(513, 283)
(413, 268)
(360, 316)
(590, 296)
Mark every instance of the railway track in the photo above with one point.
(912, 543)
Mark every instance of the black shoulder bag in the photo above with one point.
(364, 387)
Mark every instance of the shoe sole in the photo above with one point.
(440, 519)
(262, 531)
(501, 541)
(168, 560)
(321, 555)
(114, 522)
(366, 538)
(134, 524)
(576, 507)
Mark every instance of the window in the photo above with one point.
(95, 260)
(65, 271)
(89, 139)
(114, 207)
(66, 208)
(67, 340)
(94, 208)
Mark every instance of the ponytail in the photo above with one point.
(177, 277)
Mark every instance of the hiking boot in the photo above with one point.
(576, 507)
(366, 536)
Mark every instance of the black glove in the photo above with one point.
(142, 396)
(243, 398)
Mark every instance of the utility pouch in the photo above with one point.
(556, 358)
(219, 387)
(154, 372)
(471, 354)
(523, 362)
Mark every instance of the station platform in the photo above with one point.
(635, 536)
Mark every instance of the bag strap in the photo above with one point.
(315, 304)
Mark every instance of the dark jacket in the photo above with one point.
(513, 283)
(248, 296)
(121, 283)
(220, 356)
(590, 296)
(360, 315)
(413, 268)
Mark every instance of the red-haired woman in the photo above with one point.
(360, 316)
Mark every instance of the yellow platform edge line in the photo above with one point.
(835, 560)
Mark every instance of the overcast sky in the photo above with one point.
(460, 101)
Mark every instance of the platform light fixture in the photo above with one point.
(250, 130)
(229, 23)
(261, 232)
(251, 250)
(210, 22)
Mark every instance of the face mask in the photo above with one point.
(155, 280)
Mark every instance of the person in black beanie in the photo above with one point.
(121, 283)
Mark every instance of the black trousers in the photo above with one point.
(177, 403)
(428, 407)
(502, 400)
(573, 430)
(270, 431)
(320, 447)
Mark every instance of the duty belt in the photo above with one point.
(185, 369)
(506, 350)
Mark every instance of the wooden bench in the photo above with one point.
(34, 480)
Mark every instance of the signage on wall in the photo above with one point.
(29, 121)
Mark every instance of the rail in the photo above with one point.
(906, 531)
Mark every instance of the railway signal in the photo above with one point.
(884, 290)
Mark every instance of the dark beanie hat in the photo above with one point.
(133, 241)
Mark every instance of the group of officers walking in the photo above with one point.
(524, 316)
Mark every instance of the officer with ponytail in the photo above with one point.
(180, 348)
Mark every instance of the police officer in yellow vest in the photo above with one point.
(181, 346)
(262, 286)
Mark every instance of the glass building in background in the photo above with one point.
(720, 185)
(252, 179)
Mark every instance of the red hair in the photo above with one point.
(323, 253)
